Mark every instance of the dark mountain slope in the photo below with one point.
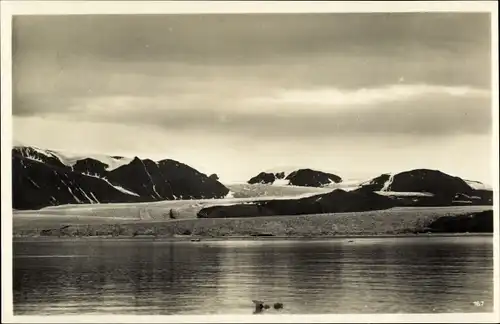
(36, 185)
(41, 178)
(336, 201)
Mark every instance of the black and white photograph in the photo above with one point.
(255, 164)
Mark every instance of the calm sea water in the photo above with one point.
(383, 275)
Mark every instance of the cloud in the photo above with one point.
(247, 38)
(400, 110)
(240, 64)
(334, 97)
(69, 54)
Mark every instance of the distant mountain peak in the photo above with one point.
(298, 177)
(428, 183)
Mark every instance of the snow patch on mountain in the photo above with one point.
(404, 194)
(26, 154)
(281, 182)
(347, 184)
(70, 159)
(33, 183)
(152, 181)
(86, 196)
(43, 152)
(71, 192)
(477, 185)
(388, 183)
(119, 188)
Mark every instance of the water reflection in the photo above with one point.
(365, 276)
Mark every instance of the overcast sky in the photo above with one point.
(358, 94)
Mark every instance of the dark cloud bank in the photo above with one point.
(199, 71)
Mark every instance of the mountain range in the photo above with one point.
(42, 178)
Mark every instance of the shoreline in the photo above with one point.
(196, 239)
(402, 222)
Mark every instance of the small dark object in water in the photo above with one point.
(262, 234)
(259, 306)
(350, 241)
(195, 240)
